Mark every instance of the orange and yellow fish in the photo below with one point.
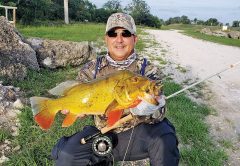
(109, 95)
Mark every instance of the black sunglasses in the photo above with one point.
(125, 33)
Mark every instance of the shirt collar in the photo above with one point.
(122, 64)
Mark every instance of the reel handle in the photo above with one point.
(84, 140)
(117, 124)
(106, 129)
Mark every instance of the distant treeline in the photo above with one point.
(209, 22)
(32, 11)
(37, 11)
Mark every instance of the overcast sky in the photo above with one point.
(225, 11)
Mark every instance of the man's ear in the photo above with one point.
(135, 39)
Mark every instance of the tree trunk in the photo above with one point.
(66, 18)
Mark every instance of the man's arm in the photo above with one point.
(144, 108)
(86, 73)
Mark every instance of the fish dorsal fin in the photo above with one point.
(60, 89)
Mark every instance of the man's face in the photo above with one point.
(120, 47)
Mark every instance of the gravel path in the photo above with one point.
(202, 59)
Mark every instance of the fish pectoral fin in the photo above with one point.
(69, 120)
(114, 116)
(111, 106)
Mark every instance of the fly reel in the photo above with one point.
(102, 146)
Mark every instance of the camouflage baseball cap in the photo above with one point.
(121, 20)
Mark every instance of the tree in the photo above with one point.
(174, 20)
(195, 20)
(185, 20)
(236, 24)
(153, 21)
(113, 5)
(212, 22)
(200, 22)
(29, 11)
(101, 15)
(139, 9)
(81, 10)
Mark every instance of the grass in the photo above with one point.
(194, 31)
(35, 143)
(45, 79)
(188, 117)
(4, 134)
(74, 32)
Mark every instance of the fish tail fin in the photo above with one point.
(113, 116)
(42, 115)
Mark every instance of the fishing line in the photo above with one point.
(113, 160)
(129, 142)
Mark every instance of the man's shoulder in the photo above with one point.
(152, 70)
(91, 65)
(88, 70)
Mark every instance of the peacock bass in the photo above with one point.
(109, 95)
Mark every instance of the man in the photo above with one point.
(152, 135)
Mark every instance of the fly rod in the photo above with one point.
(130, 116)
(198, 82)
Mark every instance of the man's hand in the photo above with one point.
(65, 112)
(145, 108)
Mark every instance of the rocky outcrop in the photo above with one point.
(18, 54)
(234, 34)
(219, 33)
(15, 55)
(206, 31)
(10, 70)
(54, 54)
(10, 105)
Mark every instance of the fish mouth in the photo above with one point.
(149, 98)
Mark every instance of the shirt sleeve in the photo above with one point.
(154, 73)
(86, 73)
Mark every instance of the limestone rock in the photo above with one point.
(206, 31)
(234, 34)
(15, 55)
(220, 33)
(53, 54)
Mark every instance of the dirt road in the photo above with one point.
(204, 58)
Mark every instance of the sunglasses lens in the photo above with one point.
(112, 34)
(126, 33)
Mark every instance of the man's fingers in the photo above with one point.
(64, 111)
(80, 115)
